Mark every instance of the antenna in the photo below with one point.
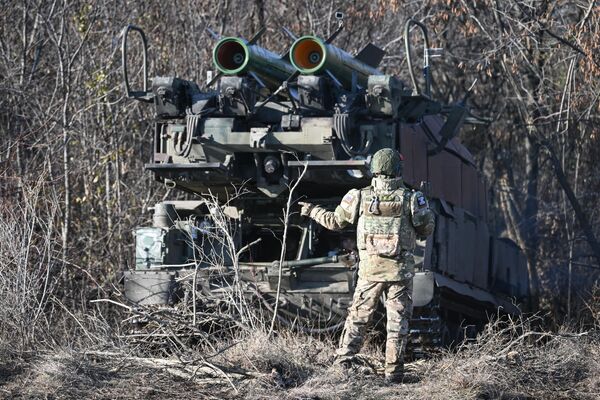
(339, 16)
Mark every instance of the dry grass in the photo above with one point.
(516, 362)
(71, 375)
(508, 361)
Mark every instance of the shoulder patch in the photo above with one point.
(348, 198)
(419, 202)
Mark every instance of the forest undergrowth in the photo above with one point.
(507, 361)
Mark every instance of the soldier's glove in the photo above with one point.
(306, 208)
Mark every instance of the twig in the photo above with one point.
(286, 216)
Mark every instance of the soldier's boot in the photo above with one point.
(394, 358)
(346, 353)
(355, 365)
(345, 362)
(392, 379)
(349, 346)
(394, 366)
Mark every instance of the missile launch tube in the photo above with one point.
(234, 56)
(312, 56)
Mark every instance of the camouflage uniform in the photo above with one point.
(389, 217)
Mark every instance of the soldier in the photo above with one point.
(390, 217)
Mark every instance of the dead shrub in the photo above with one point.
(29, 272)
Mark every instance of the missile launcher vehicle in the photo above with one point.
(310, 120)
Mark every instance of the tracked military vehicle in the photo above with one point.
(312, 118)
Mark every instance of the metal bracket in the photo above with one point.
(257, 137)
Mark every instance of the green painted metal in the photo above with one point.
(311, 55)
(234, 56)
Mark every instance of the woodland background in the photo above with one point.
(72, 147)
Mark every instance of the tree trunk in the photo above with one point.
(581, 216)
(529, 224)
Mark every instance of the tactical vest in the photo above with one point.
(385, 228)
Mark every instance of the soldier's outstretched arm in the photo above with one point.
(345, 214)
(422, 216)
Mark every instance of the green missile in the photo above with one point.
(311, 55)
(236, 56)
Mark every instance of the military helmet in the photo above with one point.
(387, 162)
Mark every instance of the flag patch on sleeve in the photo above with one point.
(348, 198)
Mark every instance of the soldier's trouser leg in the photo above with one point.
(364, 303)
(399, 311)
